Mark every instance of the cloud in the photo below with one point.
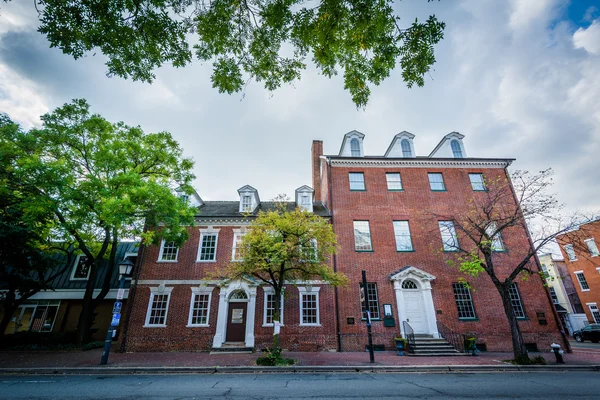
(588, 38)
(20, 98)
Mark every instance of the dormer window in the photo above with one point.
(304, 198)
(456, 149)
(249, 200)
(246, 203)
(401, 146)
(406, 150)
(304, 201)
(355, 148)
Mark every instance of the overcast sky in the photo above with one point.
(520, 79)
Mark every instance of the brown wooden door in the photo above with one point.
(236, 322)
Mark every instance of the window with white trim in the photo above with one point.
(595, 312)
(402, 236)
(44, 316)
(269, 308)
(515, 299)
(592, 247)
(477, 182)
(362, 236)
(497, 243)
(207, 249)
(553, 295)
(582, 281)
(394, 181)
(158, 307)
(570, 252)
(456, 150)
(246, 203)
(236, 251)
(199, 307)
(168, 251)
(357, 181)
(449, 238)
(81, 270)
(305, 201)
(406, 150)
(373, 301)
(354, 148)
(309, 306)
(464, 301)
(436, 182)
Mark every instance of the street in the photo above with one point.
(523, 385)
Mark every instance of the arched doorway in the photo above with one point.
(237, 316)
(414, 310)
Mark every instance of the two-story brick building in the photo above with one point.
(383, 211)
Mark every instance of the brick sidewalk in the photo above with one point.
(56, 359)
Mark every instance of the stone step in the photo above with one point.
(440, 347)
(437, 354)
(232, 347)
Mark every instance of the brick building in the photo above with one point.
(581, 254)
(380, 208)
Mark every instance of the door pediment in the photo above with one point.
(411, 272)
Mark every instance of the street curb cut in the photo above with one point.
(295, 369)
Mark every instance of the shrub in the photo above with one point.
(274, 358)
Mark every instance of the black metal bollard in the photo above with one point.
(557, 353)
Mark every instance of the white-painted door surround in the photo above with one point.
(232, 291)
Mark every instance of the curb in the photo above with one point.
(295, 369)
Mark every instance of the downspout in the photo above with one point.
(131, 296)
(335, 289)
(559, 324)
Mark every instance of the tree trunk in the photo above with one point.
(9, 306)
(276, 319)
(519, 350)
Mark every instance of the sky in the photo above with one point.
(519, 78)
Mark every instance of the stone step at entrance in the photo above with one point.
(231, 348)
(428, 346)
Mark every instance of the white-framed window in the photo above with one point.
(553, 295)
(158, 307)
(595, 312)
(207, 247)
(309, 306)
(497, 243)
(464, 301)
(477, 182)
(354, 148)
(456, 149)
(570, 252)
(236, 250)
(44, 316)
(269, 307)
(402, 236)
(373, 297)
(200, 306)
(357, 181)
(394, 181)
(246, 203)
(81, 271)
(592, 247)
(582, 281)
(406, 150)
(362, 236)
(305, 201)
(449, 238)
(515, 299)
(168, 252)
(436, 181)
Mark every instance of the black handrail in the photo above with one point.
(456, 339)
(409, 334)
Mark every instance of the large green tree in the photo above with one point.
(265, 40)
(109, 180)
(283, 247)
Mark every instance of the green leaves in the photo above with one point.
(263, 40)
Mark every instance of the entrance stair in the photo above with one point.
(428, 346)
(232, 347)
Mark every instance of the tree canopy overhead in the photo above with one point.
(268, 41)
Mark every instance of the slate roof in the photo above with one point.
(230, 209)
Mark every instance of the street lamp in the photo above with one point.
(125, 268)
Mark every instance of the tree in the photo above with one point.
(504, 210)
(265, 40)
(28, 260)
(108, 180)
(283, 247)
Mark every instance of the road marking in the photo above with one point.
(28, 381)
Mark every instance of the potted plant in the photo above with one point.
(470, 343)
(400, 345)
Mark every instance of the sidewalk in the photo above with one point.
(177, 362)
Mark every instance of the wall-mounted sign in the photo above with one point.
(387, 310)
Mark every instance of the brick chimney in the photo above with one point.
(317, 152)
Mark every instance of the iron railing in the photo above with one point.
(456, 339)
(409, 334)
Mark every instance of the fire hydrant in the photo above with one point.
(557, 352)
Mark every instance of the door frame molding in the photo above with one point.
(423, 280)
(226, 290)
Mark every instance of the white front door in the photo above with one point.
(414, 310)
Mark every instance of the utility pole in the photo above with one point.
(365, 294)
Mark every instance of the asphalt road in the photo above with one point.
(523, 385)
(585, 345)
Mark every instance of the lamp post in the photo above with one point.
(125, 268)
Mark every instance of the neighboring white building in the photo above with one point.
(558, 285)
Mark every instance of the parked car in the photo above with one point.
(590, 332)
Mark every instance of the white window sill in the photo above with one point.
(271, 325)
(154, 326)
(585, 290)
(206, 261)
(198, 326)
(166, 261)
(310, 324)
(79, 279)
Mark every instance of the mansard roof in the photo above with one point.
(230, 209)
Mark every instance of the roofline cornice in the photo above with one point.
(421, 162)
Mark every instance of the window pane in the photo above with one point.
(595, 313)
(582, 281)
(436, 181)
(355, 148)
(553, 295)
(82, 270)
(373, 301)
(237, 247)
(570, 252)
(464, 301)
(309, 308)
(169, 252)
(208, 249)
(200, 308)
(394, 182)
(477, 182)
(497, 244)
(402, 235)
(515, 299)
(246, 203)
(158, 309)
(357, 181)
(362, 236)
(406, 150)
(591, 244)
(449, 239)
(456, 150)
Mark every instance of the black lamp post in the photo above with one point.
(125, 268)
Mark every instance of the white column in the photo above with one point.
(429, 309)
(399, 306)
(221, 320)
(250, 318)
